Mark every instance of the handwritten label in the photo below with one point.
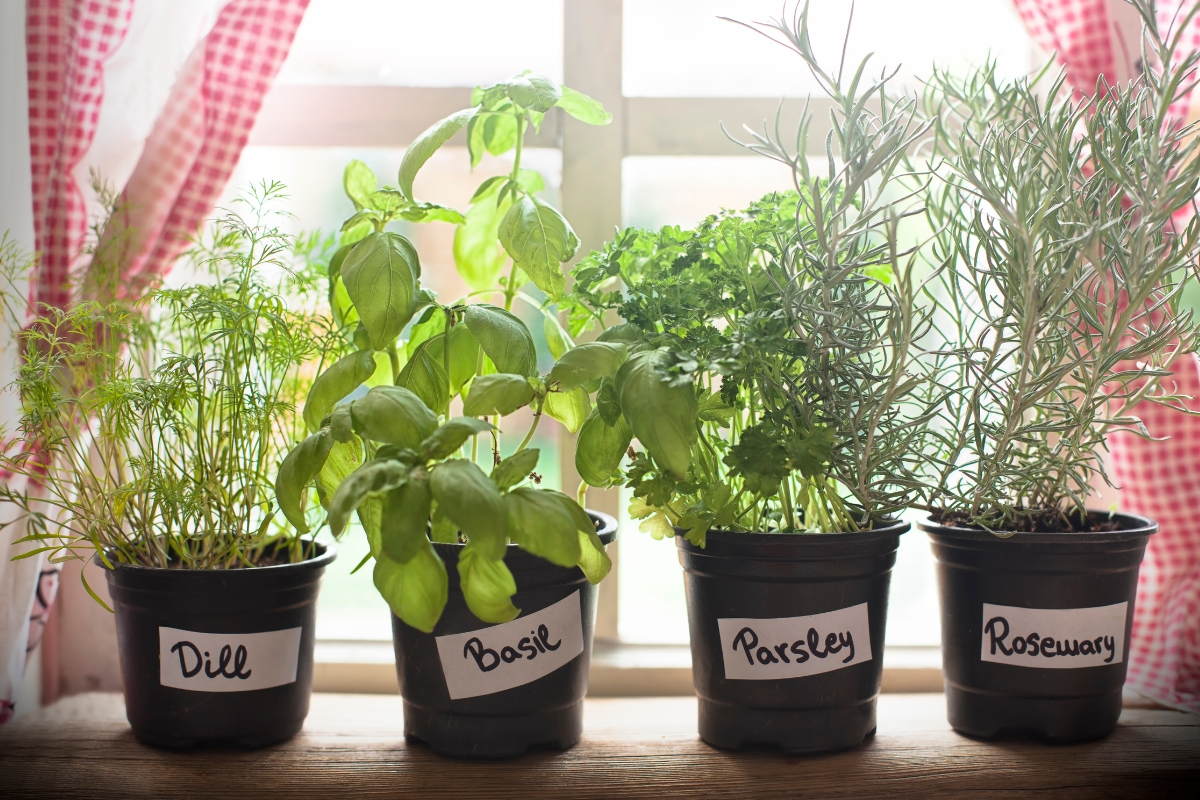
(515, 653)
(1054, 638)
(794, 647)
(227, 662)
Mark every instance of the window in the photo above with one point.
(671, 72)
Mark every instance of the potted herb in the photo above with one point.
(780, 406)
(1063, 313)
(149, 437)
(489, 577)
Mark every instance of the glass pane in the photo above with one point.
(449, 43)
(680, 190)
(707, 57)
(349, 607)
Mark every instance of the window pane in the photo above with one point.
(448, 43)
(349, 606)
(704, 56)
(679, 190)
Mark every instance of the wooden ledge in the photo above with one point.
(633, 747)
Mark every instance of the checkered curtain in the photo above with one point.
(184, 165)
(1160, 479)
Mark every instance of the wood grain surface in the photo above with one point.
(351, 747)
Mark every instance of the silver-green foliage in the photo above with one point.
(1069, 226)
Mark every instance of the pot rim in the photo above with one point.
(321, 560)
(895, 527)
(1140, 526)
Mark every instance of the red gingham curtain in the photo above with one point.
(184, 165)
(1158, 479)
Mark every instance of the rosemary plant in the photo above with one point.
(1071, 223)
(786, 333)
(151, 429)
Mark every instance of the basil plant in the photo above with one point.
(395, 456)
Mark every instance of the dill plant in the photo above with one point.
(1070, 225)
(151, 428)
(786, 331)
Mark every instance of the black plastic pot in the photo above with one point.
(761, 582)
(239, 640)
(999, 680)
(499, 720)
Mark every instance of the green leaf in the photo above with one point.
(443, 528)
(504, 339)
(487, 585)
(370, 478)
(432, 212)
(343, 377)
(427, 144)
(464, 355)
(430, 324)
(359, 182)
(557, 339)
(359, 232)
(472, 502)
(607, 403)
(600, 448)
(539, 240)
(341, 423)
(593, 559)
(416, 591)
(499, 133)
(515, 468)
(296, 472)
(477, 252)
(343, 459)
(425, 377)
(358, 219)
(387, 202)
(587, 362)
(662, 417)
(583, 108)
(570, 408)
(488, 187)
(370, 516)
(381, 275)
(533, 91)
(446, 440)
(530, 180)
(406, 518)
(501, 394)
(541, 522)
(393, 415)
(625, 332)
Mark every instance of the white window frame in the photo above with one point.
(393, 116)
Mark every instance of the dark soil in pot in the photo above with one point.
(1036, 627)
(494, 691)
(217, 656)
(787, 636)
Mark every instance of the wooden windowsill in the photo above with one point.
(351, 746)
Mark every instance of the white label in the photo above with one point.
(227, 662)
(793, 647)
(493, 659)
(1054, 638)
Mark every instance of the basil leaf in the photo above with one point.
(504, 339)
(427, 144)
(296, 472)
(387, 201)
(515, 468)
(586, 363)
(446, 440)
(359, 182)
(570, 408)
(533, 91)
(425, 377)
(430, 324)
(343, 459)
(541, 522)
(499, 132)
(370, 478)
(443, 528)
(593, 560)
(557, 339)
(607, 403)
(464, 355)
(370, 516)
(393, 415)
(416, 591)
(340, 379)
(432, 212)
(600, 448)
(539, 240)
(501, 394)
(477, 252)
(380, 275)
(472, 502)
(487, 585)
(625, 332)
(406, 518)
(583, 108)
(662, 417)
